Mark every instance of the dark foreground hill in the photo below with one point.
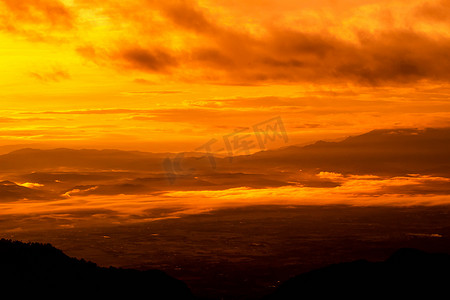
(40, 269)
(407, 274)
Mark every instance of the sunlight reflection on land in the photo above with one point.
(81, 211)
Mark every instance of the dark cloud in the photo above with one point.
(289, 55)
(375, 59)
(155, 60)
(212, 51)
(188, 15)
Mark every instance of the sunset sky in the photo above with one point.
(306, 110)
(170, 75)
(232, 144)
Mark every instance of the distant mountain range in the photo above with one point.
(379, 151)
(42, 270)
(383, 152)
(387, 153)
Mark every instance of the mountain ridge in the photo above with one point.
(406, 274)
(44, 270)
(41, 269)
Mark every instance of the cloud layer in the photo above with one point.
(364, 43)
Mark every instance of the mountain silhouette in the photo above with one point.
(40, 269)
(407, 274)
(382, 152)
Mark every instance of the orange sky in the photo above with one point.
(170, 75)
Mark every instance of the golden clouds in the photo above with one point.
(37, 20)
(111, 209)
(204, 41)
(193, 41)
(438, 11)
(52, 12)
